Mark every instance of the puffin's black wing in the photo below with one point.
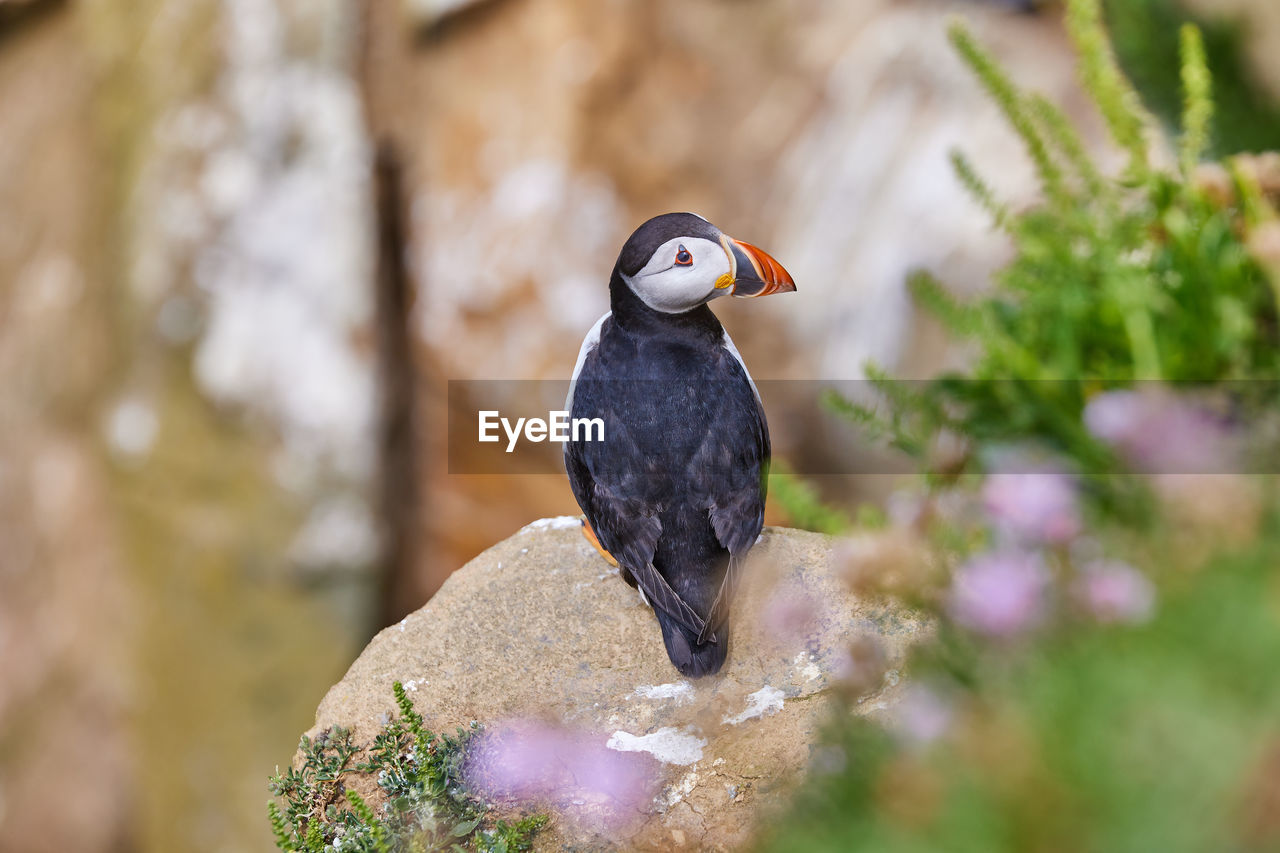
(617, 485)
(736, 495)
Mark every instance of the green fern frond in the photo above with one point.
(959, 319)
(511, 838)
(284, 840)
(377, 829)
(1197, 89)
(803, 506)
(314, 838)
(865, 417)
(1060, 132)
(901, 396)
(899, 399)
(1010, 102)
(1253, 204)
(979, 189)
(412, 719)
(1106, 83)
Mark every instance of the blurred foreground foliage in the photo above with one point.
(806, 509)
(427, 806)
(1159, 737)
(1151, 274)
(1145, 33)
(1102, 676)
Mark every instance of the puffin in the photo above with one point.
(673, 491)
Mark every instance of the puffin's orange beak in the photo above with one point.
(754, 271)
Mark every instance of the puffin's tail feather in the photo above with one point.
(692, 658)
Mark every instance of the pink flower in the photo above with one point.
(1000, 594)
(790, 615)
(1038, 508)
(528, 760)
(922, 715)
(1113, 591)
(1159, 433)
(906, 508)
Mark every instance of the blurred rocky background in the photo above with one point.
(245, 244)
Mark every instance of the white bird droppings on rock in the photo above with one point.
(679, 690)
(766, 700)
(668, 744)
(678, 791)
(807, 667)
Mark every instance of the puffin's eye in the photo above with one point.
(683, 258)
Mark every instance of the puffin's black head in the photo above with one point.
(678, 261)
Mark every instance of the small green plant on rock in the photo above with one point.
(415, 773)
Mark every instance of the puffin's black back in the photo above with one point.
(678, 481)
(685, 440)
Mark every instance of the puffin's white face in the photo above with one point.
(682, 274)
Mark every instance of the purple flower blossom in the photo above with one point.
(528, 760)
(790, 615)
(1113, 591)
(1038, 507)
(1159, 433)
(906, 509)
(1000, 594)
(1115, 416)
(923, 714)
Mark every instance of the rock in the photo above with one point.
(541, 630)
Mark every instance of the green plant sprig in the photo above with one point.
(1115, 279)
(427, 805)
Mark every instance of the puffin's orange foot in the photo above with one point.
(590, 536)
